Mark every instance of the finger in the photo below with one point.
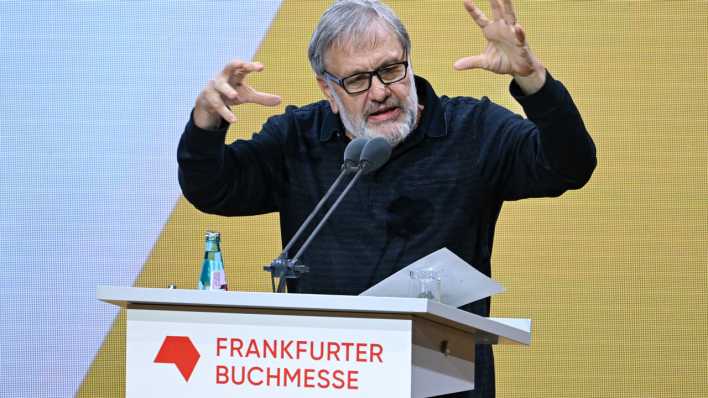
(497, 9)
(227, 114)
(509, 15)
(479, 18)
(225, 89)
(473, 62)
(266, 99)
(235, 71)
(218, 106)
(244, 69)
(231, 67)
(216, 103)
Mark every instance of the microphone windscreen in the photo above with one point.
(352, 152)
(375, 154)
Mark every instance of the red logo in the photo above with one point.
(180, 351)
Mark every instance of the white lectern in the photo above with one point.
(217, 344)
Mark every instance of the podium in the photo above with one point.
(193, 343)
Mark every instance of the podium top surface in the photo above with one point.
(510, 331)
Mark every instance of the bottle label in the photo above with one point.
(218, 280)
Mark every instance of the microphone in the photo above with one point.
(352, 152)
(282, 266)
(374, 155)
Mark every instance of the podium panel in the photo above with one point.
(225, 354)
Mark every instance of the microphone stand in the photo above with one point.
(371, 155)
(284, 268)
(294, 263)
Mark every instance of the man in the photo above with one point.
(454, 161)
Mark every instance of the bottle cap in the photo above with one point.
(212, 235)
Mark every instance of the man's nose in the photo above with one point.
(378, 91)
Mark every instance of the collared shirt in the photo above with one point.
(443, 186)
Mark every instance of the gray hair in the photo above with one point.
(347, 21)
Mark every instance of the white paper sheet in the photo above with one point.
(460, 282)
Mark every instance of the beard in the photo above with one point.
(392, 131)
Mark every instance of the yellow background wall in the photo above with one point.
(614, 276)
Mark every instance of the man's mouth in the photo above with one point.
(385, 114)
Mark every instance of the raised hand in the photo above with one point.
(507, 51)
(227, 89)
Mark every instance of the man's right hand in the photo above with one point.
(225, 90)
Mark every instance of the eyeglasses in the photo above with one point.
(360, 82)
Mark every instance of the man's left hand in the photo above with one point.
(507, 51)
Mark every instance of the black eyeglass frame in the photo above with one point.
(371, 74)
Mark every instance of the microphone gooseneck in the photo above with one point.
(284, 268)
(375, 154)
(352, 154)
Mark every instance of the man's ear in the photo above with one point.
(327, 91)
